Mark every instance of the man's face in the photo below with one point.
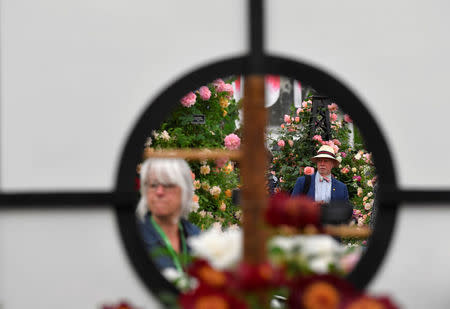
(324, 166)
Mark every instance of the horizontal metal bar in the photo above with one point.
(415, 197)
(67, 199)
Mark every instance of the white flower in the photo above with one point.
(358, 156)
(222, 250)
(318, 250)
(194, 206)
(155, 134)
(215, 191)
(180, 280)
(165, 135)
(148, 142)
(369, 194)
(321, 251)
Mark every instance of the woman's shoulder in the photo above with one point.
(191, 229)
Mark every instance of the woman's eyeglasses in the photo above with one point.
(167, 186)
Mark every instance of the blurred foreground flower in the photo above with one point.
(222, 249)
(298, 211)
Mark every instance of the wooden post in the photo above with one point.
(253, 166)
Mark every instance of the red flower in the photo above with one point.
(259, 276)
(137, 183)
(297, 211)
(367, 302)
(121, 305)
(320, 292)
(205, 298)
(209, 276)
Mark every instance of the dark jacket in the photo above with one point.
(153, 241)
(339, 190)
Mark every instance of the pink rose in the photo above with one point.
(232, 141)
(332, 107)
(345, 170)
(189, 99)
(282, 126)
(336, 142)
(357, 178)
(333, 116)
(287, 119)
(297, 119)
(299, 110)
(225, 88)
(317, 138)
(349, 261)
(218, 82)
(291, 129)
(205, 93)
(347, 118)
(343, 154)
(221, 162)
(305, 104)
(281, 143)
(291, 142)
(308, 170)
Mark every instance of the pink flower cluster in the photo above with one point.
(189, 99)
(345, 170)
(336, 142)
(221, 86)
(357, 178)
(287, 118)
(332, 144)
(333, 117)
(308, 170)
(347, 118)
(232, 141)
(317, 138)
(333, 107)
(281, 143)
(205, 93)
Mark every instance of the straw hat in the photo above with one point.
(325, 152)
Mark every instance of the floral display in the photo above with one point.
(214, 180)
(292, 149)
(301, 272)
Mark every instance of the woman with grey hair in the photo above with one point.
(166, 199)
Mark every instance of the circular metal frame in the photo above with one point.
(160, 108)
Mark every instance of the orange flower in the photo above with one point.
(321, 295)
(195, 198)
(210, 302)
(228, 193)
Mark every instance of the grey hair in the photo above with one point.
(166, 170)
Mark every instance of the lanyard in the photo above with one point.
(175, 257)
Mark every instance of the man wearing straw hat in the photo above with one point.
(321, 186)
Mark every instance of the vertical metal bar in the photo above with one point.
(256, 36)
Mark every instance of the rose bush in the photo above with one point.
(214, 180)
(293, 159)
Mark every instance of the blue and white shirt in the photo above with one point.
(322, 189)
